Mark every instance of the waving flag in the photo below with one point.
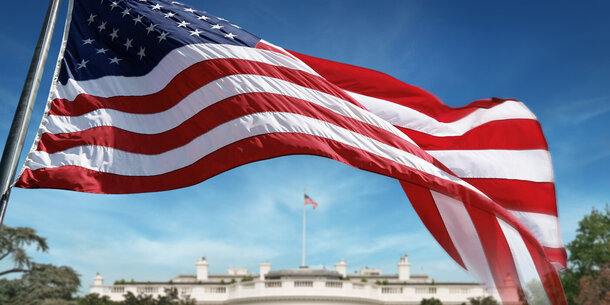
(308, 200)
(156, 95)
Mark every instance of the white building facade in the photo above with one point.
(301, 286)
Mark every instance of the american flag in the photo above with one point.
(308, 200)
(157, 95)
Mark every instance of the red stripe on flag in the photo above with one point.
(423, 203)
(498, 253)
(211, 117)
(380, 85)
(266, 46)
(228, 157)
(548, 275)
(520, 195)
(188, 81)
(502, 134)
(557, 256)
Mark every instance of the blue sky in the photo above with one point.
(554, 56)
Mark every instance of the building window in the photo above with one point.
(118, 290)
(148, 290)
(431, 289)
(386, 290)
(334, 284)
(273, 284)
(303, 283)
(186, 291)
(420, 290)
(216, 289)
(465, 290)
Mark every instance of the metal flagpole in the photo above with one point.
(19, 127)
(304, 221)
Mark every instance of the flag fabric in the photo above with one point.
(308, 200)
(156, 95)
(496, 145)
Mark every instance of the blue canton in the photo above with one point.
(129, 37)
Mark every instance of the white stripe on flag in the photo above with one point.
(120, 162)
(206, 96)
(530, 165)
(465, 238)
(171, 65)
(528, 276)
(412, 119)
(544, 227)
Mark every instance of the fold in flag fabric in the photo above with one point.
(151, 96)
(308, 200)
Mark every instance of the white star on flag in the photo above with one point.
(91, 19)
(126, 12)
(102, 26)
(127, 43)
(115, 60)
(83, 64)
(141, 53)
(114, 34)
(163, 36)
(150, 28)
(137, 19)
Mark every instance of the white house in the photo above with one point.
(301, 286)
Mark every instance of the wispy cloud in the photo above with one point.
(580, 110)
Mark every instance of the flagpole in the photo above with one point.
(304, 222)
(23, 113)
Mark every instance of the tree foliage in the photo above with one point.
(590, 250)
(12, 245)
(595, 289)
(430, 301)
(170, 298)
(586, 280)
(483, 301)
(42, 284)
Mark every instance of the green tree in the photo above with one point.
(589, 258)
(595, 289)
(590, 250)
(12, 245)
(483, 301)
(430, 301)
(95, 299)
(42, 284)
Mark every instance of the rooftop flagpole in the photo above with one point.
(21, 120)
(304, 222)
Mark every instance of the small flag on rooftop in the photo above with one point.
(308, 200)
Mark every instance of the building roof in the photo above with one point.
(303, 273)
